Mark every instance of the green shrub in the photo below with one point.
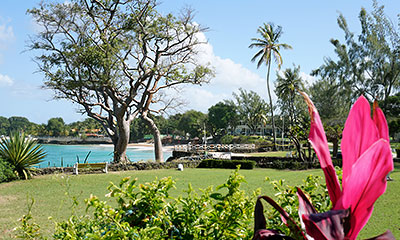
(227, 139)
(6, 172)
(286, 197)
(146, 211)
(226, 163)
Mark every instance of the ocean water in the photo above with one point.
(67, 155)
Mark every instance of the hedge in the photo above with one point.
(225, 163)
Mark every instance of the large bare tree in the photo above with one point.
(116, 59)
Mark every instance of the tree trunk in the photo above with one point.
(335, 142)
(157, 138)
(271, 106)
(121, 142)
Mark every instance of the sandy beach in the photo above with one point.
(147, 145)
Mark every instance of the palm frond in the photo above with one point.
(277, 58)
(285, 46)
(257, 55)
(269, 42)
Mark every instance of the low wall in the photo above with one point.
(152, 165)
(120, 167)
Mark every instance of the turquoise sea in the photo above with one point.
(67, 155)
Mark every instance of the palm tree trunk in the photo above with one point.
(271, 106)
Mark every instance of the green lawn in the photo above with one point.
(51, 200)
(268, 154)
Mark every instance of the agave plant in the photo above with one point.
(22, 153)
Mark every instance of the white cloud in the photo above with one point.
(200, 98)
(6, 34)
(310, 80)
(229, 77)
(5, 81)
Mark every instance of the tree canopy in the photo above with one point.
(369, 63)
(221, 116)
(116, 59)
(251, 107)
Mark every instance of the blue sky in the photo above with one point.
(307, 25)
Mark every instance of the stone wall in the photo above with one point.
(120, 167)
(52, 170)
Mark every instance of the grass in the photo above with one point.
(53, 193)
(268, 154)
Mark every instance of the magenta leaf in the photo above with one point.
(319, 142)
(385, 236)
(305, 206)
(333, 224)
(365, 184)
(268, 234)
(359, 133)
(259, 219)
(380, 122)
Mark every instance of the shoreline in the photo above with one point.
(130, 145)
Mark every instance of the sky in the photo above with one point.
(307, 26)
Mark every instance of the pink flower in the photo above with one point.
(367, 159)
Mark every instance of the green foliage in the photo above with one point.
(227, 163)
(394, 127)
(146, 211)
(93, 71)
(392, 108)
(326, 93)
(243, 139)
(139, 128)
(227, 139)
(4, 125)
(21, 153)
(56, 127)
(221, 116)
(28, 229)
(192, 123)
(287, 86)
(251, 107)
(286, 197)
(19, 124)
(367, 63)
(6, 172)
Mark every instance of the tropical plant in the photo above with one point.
(367, 160)
(269, 45)
(287, 85)
(22, 153)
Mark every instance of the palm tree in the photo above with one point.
(285, 90)
(269, 45)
